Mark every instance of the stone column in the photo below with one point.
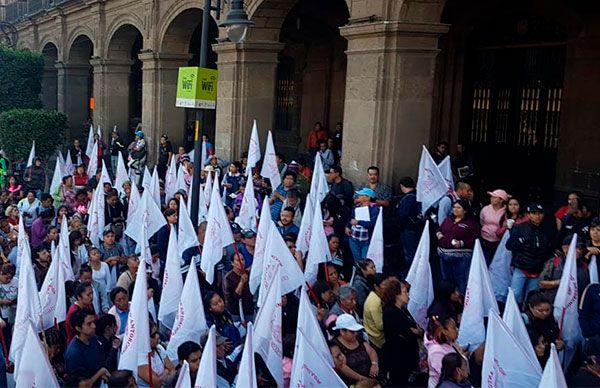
(159, 90)
(389, 96)
(72, 81)
(246, 91)
(111, 94)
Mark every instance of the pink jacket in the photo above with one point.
(491, 220)
(435, 353)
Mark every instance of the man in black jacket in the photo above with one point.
(35, 178)
(530, 247)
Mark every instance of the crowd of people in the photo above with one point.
(373, 338)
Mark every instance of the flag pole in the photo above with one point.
(150, 369)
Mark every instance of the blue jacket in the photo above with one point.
(589, 311)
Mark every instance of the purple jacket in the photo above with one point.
(466, 231)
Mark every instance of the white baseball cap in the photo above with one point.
(347, 322)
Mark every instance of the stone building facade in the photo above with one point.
(517, 82)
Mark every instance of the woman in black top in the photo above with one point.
(401, 332)
(165, 153)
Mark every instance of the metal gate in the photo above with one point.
(515, 109)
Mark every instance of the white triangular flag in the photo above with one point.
(248, 216)
(208, 187)
(446, 169)
(68, 166)
(146, 179)
(136, 339)
(172, 283)
(155, 187)
(31, 155)
(218, 236)
(505, 363)
(431, 185)
(121, 175)
(500, 269)
(306, 225)
(318, 250)
(203, 155)
(593, 269)
(207, 370)
(269, 167)
(133, 202)
(52, 293)
(309, 325)
(310, 369)
(59, 172)
(105, 178)
(253, 150)
(90, 142)
(93, 165)
(64, 251)
(421, 283)
(171, 179)
(96, 220)
(186, 236)
(566, 300)
(37, 372)
(318, 185)
(514, 321)
(553, 376)
(479, 300)
(264, 224)
(146, 219)
(28, 303)
(247, 370)
(267, 329)
(375, 251)
(184, 380)
(190, 321)
(181, 184)
(279, 257)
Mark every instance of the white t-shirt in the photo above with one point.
(158, 364)
(103, 275)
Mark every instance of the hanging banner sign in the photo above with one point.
(197, 88)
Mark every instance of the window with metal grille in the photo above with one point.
(516, 96)
(286, 105)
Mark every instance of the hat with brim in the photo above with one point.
(365, 191)
(535, 208)
(347, 322)
(499, 194)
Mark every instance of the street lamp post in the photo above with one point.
(236, 24)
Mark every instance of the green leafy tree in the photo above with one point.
(19, 127)
(21, 74)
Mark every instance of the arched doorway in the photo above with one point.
(79, 85)
(182, 38)
(49, 79)
(123, 80)
(311, 74)
(502, 91)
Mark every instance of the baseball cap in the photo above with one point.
(499, 194)
(347, 322)
(248, 233)
(235, 228)
(535, 207)
(220, 340)
(366, 191)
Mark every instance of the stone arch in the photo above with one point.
(78, 34)
(129, 21)
(121, 41)
(49, 91)
(177, 28)
(47, 40)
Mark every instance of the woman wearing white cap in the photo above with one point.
(361, 359)
(491, 218)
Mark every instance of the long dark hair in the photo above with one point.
(450, 363)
